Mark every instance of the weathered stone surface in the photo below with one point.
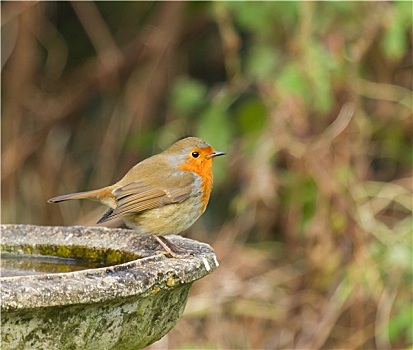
(125, 306)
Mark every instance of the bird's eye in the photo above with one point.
(195, 154)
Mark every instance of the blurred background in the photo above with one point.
(311, 212)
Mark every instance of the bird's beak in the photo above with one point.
(215, 154)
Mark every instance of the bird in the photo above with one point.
(161, 195)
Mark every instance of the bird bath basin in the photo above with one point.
(92, 287)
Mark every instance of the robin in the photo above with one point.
(164, 194)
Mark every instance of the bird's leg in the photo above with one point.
(170, 248)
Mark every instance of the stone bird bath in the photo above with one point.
(129, 299)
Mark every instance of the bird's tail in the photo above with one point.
(101, 195)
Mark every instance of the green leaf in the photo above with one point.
(394, 41)
(251, 116)
(319, 64)
(291, 80)
(401, 324)
(188, 96)
(262, 61)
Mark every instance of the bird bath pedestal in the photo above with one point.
(119, 292)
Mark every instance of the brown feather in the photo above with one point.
(103, 195)
(140, 195)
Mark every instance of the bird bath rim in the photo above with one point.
(147, 274)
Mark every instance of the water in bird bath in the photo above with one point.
(14, 264)
(26, 260)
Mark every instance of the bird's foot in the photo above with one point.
(171, 249)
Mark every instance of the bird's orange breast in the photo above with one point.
(203, 168)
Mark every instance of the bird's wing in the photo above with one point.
(141, 195)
